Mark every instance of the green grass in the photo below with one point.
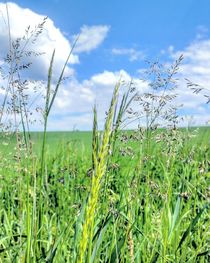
(152, 206)
(83, 139)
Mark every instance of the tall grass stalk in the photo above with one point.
(48, 105)
(100, 161)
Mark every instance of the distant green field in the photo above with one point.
(81, 140)
(55, 140)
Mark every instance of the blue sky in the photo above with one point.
(121, 36)
(146, 25)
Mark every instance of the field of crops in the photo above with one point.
(151, 205)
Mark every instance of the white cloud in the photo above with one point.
(75, 99)
(51, 37)
(71, 122)
(196, 64)
(196, 68)
(75, 96)
(109, 78)
(131, 53)
(196, 60)
(91, 37)
(80, 96)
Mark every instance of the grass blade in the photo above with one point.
(191, 226)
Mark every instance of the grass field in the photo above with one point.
(152, 204)
(82, 139)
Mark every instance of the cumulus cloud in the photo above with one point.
(131, 53)
(51, 37)
(78, 97)
(196, 68)
(75, 99)
(91, 37)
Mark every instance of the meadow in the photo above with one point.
(152, 205)
(110, 195)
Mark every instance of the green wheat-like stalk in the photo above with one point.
(100, 161)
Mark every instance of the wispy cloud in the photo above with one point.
(202, 32)
(91, 37)
(131, 53)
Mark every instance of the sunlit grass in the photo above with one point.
(113, 195)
